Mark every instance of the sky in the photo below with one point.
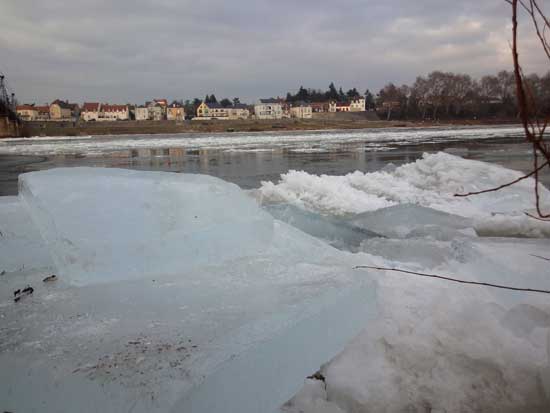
(134, 50)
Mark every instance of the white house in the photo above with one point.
(357, 104)
(238, 111)
(142, 113)
(114, 112)
(301, 111)
(90, 111)
(269, 109)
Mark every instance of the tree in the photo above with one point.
(369, 100)
(225, 102)
(236, 101)
(332, 93)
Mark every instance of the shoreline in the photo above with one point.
(65, 128)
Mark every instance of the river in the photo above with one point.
(249, 158)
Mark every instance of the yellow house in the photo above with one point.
(207, 111)
(60, 110)
(175, 112)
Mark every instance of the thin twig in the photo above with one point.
(537, 218)
(538, 256)
(504, 185)
(441, 277)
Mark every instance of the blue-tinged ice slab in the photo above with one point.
(175, 293)
(21, 246)
(104, 224)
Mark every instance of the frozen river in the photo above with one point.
(249, 158)
(181, 292)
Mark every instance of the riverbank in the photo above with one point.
(336, 121)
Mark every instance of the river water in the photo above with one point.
(249, 158)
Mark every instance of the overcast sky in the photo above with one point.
(131, 50)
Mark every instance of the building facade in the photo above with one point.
(269, 109)
(142, 113)
(238, 111)
(27, 112)
(357, 104)
(301, 111)
(175, 112)
(114, 112)
(43, 112)
(90, 111)
(60, 110)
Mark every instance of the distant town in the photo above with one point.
(439, 95)
(208, 109)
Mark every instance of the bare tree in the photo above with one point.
(534, 122)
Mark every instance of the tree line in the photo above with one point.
(446, 95)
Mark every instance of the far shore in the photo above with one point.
(80, 128)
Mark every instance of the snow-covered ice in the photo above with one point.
(315, 141)
(429, 182)
(142, 319)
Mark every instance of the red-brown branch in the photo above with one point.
(515, 181)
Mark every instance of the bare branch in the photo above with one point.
(441, 277)
(515, 181)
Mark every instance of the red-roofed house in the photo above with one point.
(114, 112)
(339, 106)
(27, 112)
(90, 111)
(43, 112)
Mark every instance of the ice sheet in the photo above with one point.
(299, 140)
(109, 224)
(120, 332)
(21, 246)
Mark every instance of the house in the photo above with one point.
(157, 109)
(27, 112)
(301, 110)
(175, 112)
(357, 104)
(238, 111)
(207, 111)
(114, 112)
(90, 111)
(319, 107)
(354, 105)
(142, 113)
(269, 109)
(60, 110)
(335, 106)
(43, 112)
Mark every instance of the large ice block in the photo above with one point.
(175, 293)
(107, 224)
(21, 246)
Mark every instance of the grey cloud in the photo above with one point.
(126, 50)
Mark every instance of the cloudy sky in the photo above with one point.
(132, 50)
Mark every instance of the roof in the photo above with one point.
(270, 100)
(90, 107)
(43, 109)
(163, 102)
(114, 108)
(214, 106)
(342, 104)
(239, 106)
(62, 104)
(25, 107)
